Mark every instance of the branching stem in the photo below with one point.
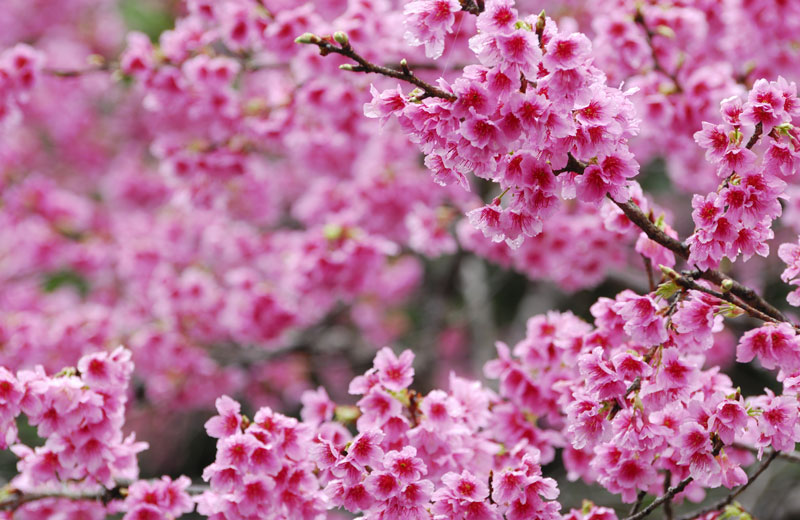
(649, 34)
(716, 506)
(669, 495)
(342, 47)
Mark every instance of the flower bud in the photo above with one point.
(669, 272)
(307, 38)
(540, 22)
(341, 38)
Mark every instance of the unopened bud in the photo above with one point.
(735, 136)
(341, 38)
(727, 285)
(346, 413)
(96, 60)
(404, 67)
(307, 38)
(669, 272)
(665, 31)
(348, 67)
(333, 231)
(540, 22)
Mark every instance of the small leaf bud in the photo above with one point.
(307, 38)
(341, 38)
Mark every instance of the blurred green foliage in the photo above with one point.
(55, 280)
(148, 16)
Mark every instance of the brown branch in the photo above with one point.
(648, 268)
(756, 136)
(634, 213)
(638, 18)
(668, 503)
(475, 7)
(744, 293)
(638, 503)
(344, 49)
(735, 493)
(76, 73)
(15, 498)
(653, 232)
(669, 495)
(635, 386)
(688, 283)
(792, 456)
(12, 499)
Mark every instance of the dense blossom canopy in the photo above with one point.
(186, 215)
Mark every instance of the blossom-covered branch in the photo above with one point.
(751, 299)
(730, 497)
(753, 302)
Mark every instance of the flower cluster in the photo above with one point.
(263, 469)
(737, 218)
(572, 250)
(629, 406)
(428, 22)
(80, 414)
(413, 456)
(20, 68)
(534, 103)
(164, 498)
(637, 402)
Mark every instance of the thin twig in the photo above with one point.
(345, 49)
(638, 503)
(648, 268)
(668, 503)
(670, 492)
(475, 7)
(656, 234)
(669, 495)
(744, 293)
(639, 20)
(17, 498)
(790, 456)
(687, 283)
(13, 499)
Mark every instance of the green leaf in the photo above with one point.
(55, 280)
(667, 290)
(346, 413)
